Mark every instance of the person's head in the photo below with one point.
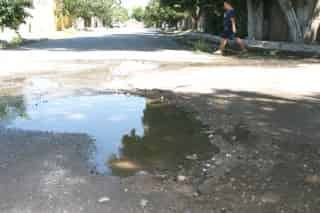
(227, 5)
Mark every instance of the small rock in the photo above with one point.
(104, 200)
(223, 210)
(219, 162)
(181, 178)
(192, 157)
(313, 179)
(142, 173)
(144, 203)
(218, 139)
(228, 171)
(228, 155)
(162, 176)
(270, 197)
(207, 187)
(195, 194)
(208, 165)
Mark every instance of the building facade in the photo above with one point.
(43, 19)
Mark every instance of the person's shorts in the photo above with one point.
(228, 35)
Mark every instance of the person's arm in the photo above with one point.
(234, 25)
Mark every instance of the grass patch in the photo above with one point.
(201, 46)
(15, 42)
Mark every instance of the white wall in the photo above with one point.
(42, 18)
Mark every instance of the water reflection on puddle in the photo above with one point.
(131, 133)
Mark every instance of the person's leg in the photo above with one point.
(241, 44)
(223, 44)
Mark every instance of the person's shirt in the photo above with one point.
(228, 15)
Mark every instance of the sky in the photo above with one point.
(132, 3)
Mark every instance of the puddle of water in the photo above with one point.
(130, 133)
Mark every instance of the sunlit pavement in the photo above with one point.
(152, 60)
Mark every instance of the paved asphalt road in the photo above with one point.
(145, 54)
(46, 172)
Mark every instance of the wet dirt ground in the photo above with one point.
(260, 125)
(263, 158)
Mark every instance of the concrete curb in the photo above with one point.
(305, 49)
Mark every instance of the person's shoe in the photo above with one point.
(218, 52)
(244, 52)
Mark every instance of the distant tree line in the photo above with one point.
(13, 13)
(202, 15)
(108, 11)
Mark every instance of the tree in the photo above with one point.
(255, 19)
(193, 7)
(106, 10)
(138, 13)
(156, 14)
(120, 14)
(207, 15)
(292, 20)
(301, 17)
(13, 13)
(312, 31)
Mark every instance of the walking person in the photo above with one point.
(230, 28)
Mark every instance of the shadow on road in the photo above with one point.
(122, 42)
(299, 119)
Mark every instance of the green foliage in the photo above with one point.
(156, 14)
(11, 107)
(201, 46)
(13, 13)
(138, 13)
(16, 41)
(107, 10)
(214, 13)
(213, 10)
(120, 14)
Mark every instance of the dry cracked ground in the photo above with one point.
(260, 115)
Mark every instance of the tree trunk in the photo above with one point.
(202, 20)
(311, 33)
(251, 22)
(255, 19)
(304, 10)
(196, 18)
(18, 33)
(292, 19)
